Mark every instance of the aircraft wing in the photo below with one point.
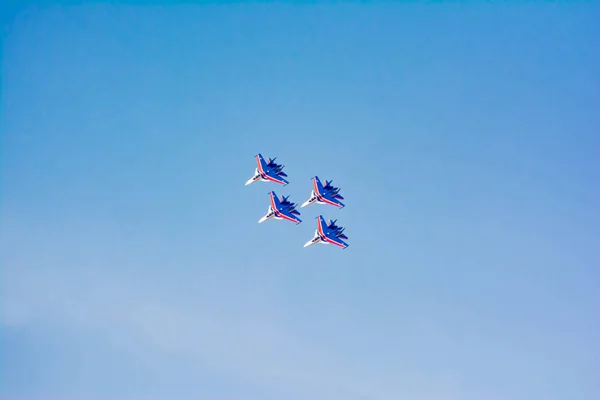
(328, 235)
(280, 212)
(267, 173)
(323, 196)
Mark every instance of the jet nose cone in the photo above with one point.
(304, 205)
(308, 243)
(263, 219)
(249, 182)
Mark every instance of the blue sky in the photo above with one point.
(465, 140)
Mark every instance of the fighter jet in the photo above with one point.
(268, 171)
(327, 194)
(281, 209)
(328, 233)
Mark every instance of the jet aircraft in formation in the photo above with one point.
(282, 208)
(327, 194)
(328, 233)
(268, 171)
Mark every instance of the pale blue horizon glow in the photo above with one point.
(464, 138)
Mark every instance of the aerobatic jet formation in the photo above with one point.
(326, 194)
(328, 233)
(281, 209)
(268, 171)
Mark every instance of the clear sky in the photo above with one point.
(465, 139)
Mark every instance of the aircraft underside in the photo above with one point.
(316, 239)
(256, 178)
(270, 215)
(312, 200)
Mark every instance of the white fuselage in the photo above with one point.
(257, 177)
(312, 200)
(315, 239)
(270, 214)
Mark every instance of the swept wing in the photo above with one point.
(284, 209)
(270, 171)
(330, 233)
